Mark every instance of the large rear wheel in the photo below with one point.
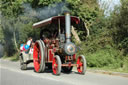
(81, 64)
(38, 57)
(56, 65)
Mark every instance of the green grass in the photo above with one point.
(15, 57)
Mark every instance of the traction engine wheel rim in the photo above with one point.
(56, 65)
(37, 57)
(81, 64)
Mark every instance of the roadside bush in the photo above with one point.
(106, 56)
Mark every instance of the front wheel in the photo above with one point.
(56, 65)
(81, 64)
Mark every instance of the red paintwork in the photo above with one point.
(74, 57)
(70, 64)
(36, 60)
(79, 65)
(51, 55)
(54, 50)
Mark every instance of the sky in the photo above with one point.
(109, 5)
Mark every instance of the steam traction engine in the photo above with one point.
(55, 49)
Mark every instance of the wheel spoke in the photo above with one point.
(81, 64)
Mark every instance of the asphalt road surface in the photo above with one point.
(10, 74)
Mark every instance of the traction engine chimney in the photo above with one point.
(67, 26)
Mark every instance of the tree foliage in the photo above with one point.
(120, 27)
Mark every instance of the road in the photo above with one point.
(10, 74)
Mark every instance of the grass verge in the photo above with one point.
(15, 57)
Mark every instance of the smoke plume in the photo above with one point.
(45, 12)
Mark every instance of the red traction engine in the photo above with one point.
(55, 49)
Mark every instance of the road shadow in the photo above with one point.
(30, 68)
(49, 71)
(67, 72)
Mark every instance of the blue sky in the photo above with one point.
(108, 5)
(111, 3)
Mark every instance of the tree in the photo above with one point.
(120, 26)
(10, 11)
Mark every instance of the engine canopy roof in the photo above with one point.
(55, 20)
